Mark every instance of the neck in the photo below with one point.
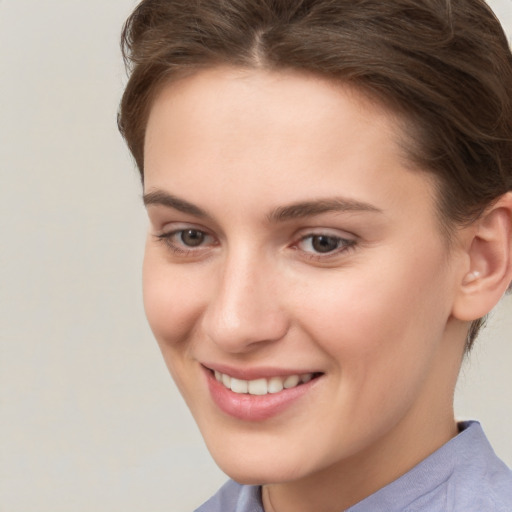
(427, 426)
(346, 483)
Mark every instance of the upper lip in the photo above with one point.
(260, 372)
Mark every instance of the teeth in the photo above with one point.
(291, 381)
(306, 377)
(226, 380)
(257, 387)
(238, 385)
(262, 386)
(275, 384)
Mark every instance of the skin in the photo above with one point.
(375, 316)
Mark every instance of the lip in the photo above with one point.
(263, 372)
(252, 407)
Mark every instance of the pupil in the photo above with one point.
(192, 237)
(324, 243)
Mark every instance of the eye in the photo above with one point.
(191, 237)
(187, 241)
(320, 244)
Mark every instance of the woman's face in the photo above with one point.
(295, 275)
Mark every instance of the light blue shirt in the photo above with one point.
(464, 475)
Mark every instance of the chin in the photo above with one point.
(248, 472)
(259, 466)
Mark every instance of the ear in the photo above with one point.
(489, 253)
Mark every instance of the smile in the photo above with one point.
(263, 393)
(262, 386)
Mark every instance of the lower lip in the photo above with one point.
(254, 407)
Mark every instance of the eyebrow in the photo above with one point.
(311, 208)
(281, 214)
(159, 197)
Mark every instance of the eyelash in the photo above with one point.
(185, 250)
(343, 244)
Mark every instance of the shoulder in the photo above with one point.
(464, 475)
(234, 497)
(483, 481)
(478, 480)
(489, 489)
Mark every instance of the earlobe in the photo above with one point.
(490, 262)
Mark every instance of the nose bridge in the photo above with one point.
(245, 308)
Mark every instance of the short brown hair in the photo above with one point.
(444, 65)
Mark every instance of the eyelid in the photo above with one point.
(171, 231)
(169, 228)
(328, 232)
(167, 234)
(348, 241)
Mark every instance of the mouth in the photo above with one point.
(263, 386)
(264, 395)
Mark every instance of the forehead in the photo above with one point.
(262, 136)
(285, 103)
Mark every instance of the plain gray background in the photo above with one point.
(90, 419)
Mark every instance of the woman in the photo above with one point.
(329, 188)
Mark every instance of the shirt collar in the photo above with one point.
(462, 454)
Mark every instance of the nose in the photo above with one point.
(245, 311)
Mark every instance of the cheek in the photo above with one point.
(173, 304)
(172, 300)
(379, 320)
(381, 338)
